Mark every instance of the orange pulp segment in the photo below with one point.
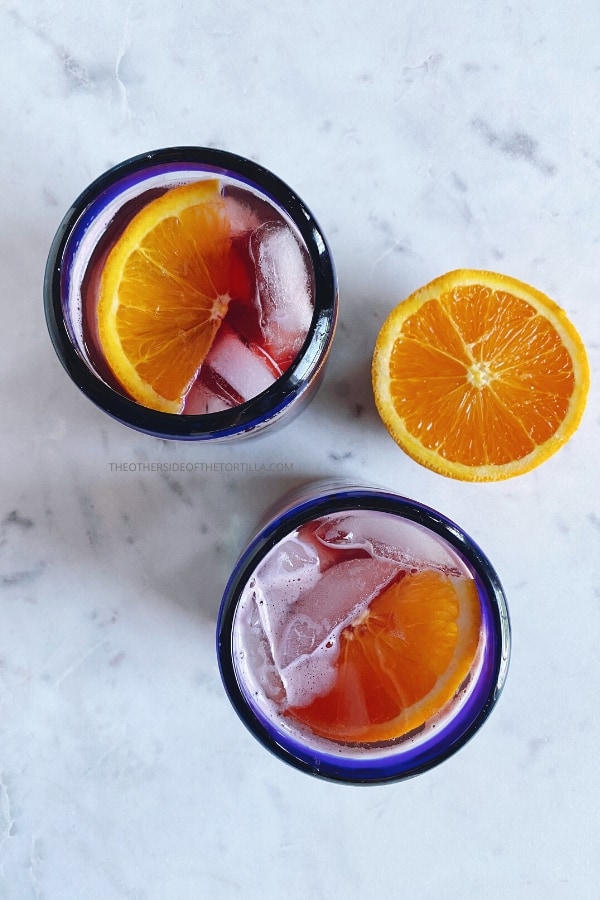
(400, 662)
(164, 293)
(479, 376)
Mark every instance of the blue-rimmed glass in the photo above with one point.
(93, 211)
(410, 755)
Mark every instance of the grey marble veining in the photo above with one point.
(424, 137)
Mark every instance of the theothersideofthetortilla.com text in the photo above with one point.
(202, 467)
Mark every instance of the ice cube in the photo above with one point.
(242, 218)
(201, 400)
(291, 569)
(307, 651)
(331, 553)
(247, 210)
(386, 536)
(243, 367)
(255, 657)
(284, 294)
(303, 611)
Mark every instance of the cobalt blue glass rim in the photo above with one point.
(407, 762)
(254, 413)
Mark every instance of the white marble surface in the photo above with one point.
(425, 137)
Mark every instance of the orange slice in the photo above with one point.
(479, 376)
(164, 293)
(400, 662)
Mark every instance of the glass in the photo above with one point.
(285, 608)
(79, 251)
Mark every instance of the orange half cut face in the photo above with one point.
(479, 376)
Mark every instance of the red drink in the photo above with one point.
(270, 289)
(199, 266)
(362, 636)
(308, 605)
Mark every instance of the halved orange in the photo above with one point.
(479, 376)
(400, 662)
(164, 293)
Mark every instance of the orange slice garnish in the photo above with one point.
(164, 293)
(479, 376)
(400, 662)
